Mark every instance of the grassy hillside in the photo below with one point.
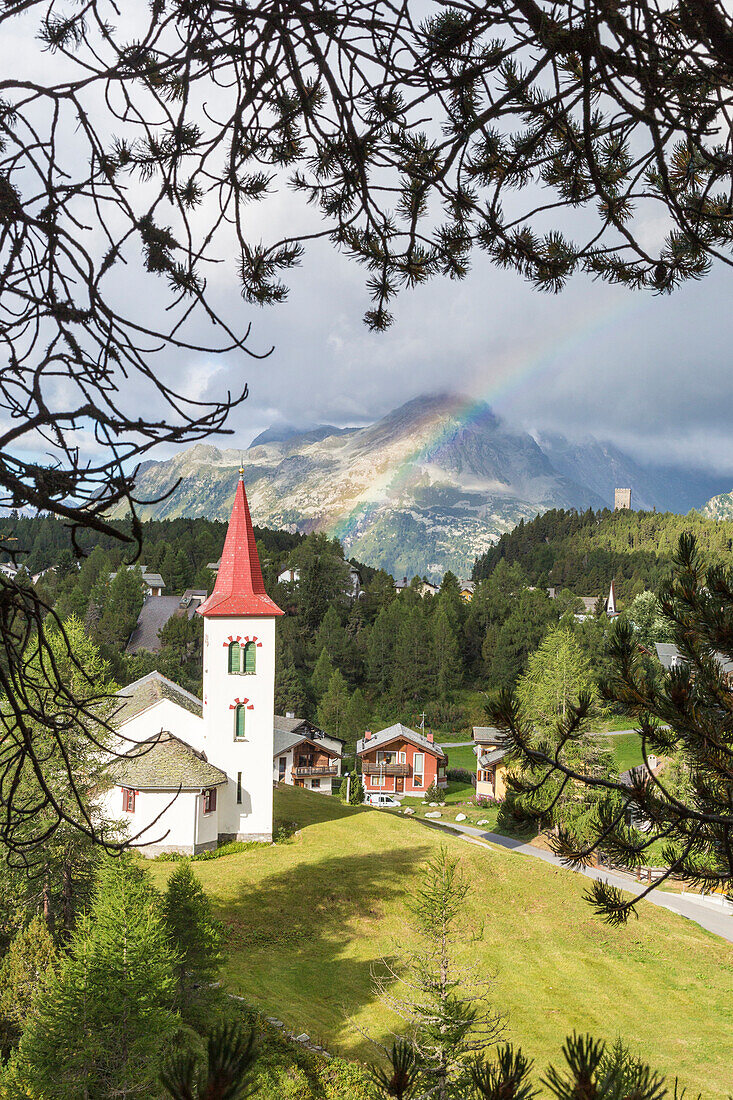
(583, 551)
(308, 920)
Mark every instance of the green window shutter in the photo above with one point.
(239, 722)
(234, 657)
(250, 657)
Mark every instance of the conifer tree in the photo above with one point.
(289, 693)
(412, 679)
(356, 790)
(100, 1022)
(332, 637)
(333, 706)
(380, 647)
(444, 1003)
(321, 675)
(448, 664)
(357, 718)
(28, 962)
(195, 940)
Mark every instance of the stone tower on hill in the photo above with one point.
(622, 499)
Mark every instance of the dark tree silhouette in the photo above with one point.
(131, 152)
(684, 714)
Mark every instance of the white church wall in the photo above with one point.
(163, 715)
(251, 757)
(176, 831)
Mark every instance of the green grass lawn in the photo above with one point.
(307, 920)
(626, 749)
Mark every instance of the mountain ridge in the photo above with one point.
(428, 486)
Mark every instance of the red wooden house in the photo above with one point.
(400, 761)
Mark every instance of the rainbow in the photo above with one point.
(510, 374)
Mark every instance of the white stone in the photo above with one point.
(483, 821)
(460, 817)
(434, 813)
(302, 1038)
(434, 803)
(409, 810)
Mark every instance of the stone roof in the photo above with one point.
(493, 757)
(289, 732)
(669, 655)
(149, 690)
(392, 733)
(283, 741)
(488, 735)
(154, 614)
(164, 762)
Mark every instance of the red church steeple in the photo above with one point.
(239, 588)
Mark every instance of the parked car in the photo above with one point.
(382, 801)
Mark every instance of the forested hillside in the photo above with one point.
(584, 551)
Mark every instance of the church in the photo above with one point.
(194, 773)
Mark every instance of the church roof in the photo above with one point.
(164, 761)
(149, 690)
(239, 588)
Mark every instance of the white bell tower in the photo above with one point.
(239, 682)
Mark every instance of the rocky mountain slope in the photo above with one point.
(424, 489)
(720, 506)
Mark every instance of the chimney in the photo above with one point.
(367, 735)
(290, 714)
(430, 737)
(404, 580)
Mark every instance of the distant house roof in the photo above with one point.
(149, 690)
(193, 595)
(669, 656)
(154, 614)
(392, 733)
(488, 758)
(152, 580)
(289, 732)
(488, 735)
(589, 602)
(164, 761)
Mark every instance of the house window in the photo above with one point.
(239, 722)
(315, 783)
(239, 788)
(128, 800)
(281, 765)
(235, 657)
(210, 800)
(250, 656)
(418, 769)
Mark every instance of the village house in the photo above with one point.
(424, 588)
(590, 604)
(154, 583)
(193, 773)
(491, 750)
(304, 756)
(401, 761)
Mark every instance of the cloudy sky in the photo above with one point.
(651, 374)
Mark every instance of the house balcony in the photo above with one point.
(316, 770)
(369, 768)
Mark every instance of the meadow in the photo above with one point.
(309, 920)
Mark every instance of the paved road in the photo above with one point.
(711, 914)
